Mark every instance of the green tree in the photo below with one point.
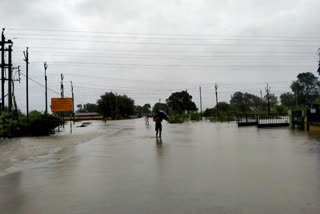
(180, 102)
(138, 110)
(273, 99)
(143, 110)
(146, 109)
(288, 99)
(223, 106)
(306, 88)
(115, 106)
(210, 112)
(160, 106)
(239, 102)
(226, 112)
(89, 107)
(246, 102)
(280, 109)
(79, 106)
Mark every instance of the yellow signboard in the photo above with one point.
(61, 104)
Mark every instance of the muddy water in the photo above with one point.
(28, 152)
(198, 168)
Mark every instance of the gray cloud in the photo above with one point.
(271, 24)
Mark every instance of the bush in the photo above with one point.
(178, 118)
(301, 123)
(279, 109)
(43, 124)
(16, 124)
(195, 116)
(13, 124)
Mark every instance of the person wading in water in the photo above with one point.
(158, 119)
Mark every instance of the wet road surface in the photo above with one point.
(198, 168)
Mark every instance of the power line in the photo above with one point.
(166, 51)
(148, 91)
(194, 68)
(166, 34)
(157, 43)
(134, 56)
(164, 38)
(40, 84)
(177, 65)
(169, 81)
(47, 87)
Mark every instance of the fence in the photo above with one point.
(272, 120)
(263, 120)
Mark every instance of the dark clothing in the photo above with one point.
(158, 127)
(157, 119)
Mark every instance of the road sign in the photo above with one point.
(61, 104)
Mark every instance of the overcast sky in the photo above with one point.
(148, 49)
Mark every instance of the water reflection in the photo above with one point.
(196, 168)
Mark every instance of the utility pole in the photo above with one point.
(10, 78)
(4, 66)
(72, 101)
(46, 86)
(2, 69)
(200, 100)
(26, 59)
(19, 74)
(111, 111)
(72, 113)
(319, 61)
(268, 97)
(62, 94)
(116, 106)
(61, 86)
(18, 69)
(261, 94)
(216, 90)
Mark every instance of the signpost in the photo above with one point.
(61, 105)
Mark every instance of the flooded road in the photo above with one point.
(198, 168)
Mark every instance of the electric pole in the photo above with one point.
(62, 94)
(216, 90)
(13, 80)
(72, 101)
(61, 86)
(268, 97)
(2, 69)
(111, 110)
(116, 106)
(72, 113)
(319, 61)
(10, 78)
(200, 100)
(46, 86)
(4, 66)
(26, 59)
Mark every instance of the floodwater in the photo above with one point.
(199, 167)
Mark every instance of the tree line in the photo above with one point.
(116, 106)
(304, 91)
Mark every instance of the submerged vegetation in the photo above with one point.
(180, 118)
(16, 124)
